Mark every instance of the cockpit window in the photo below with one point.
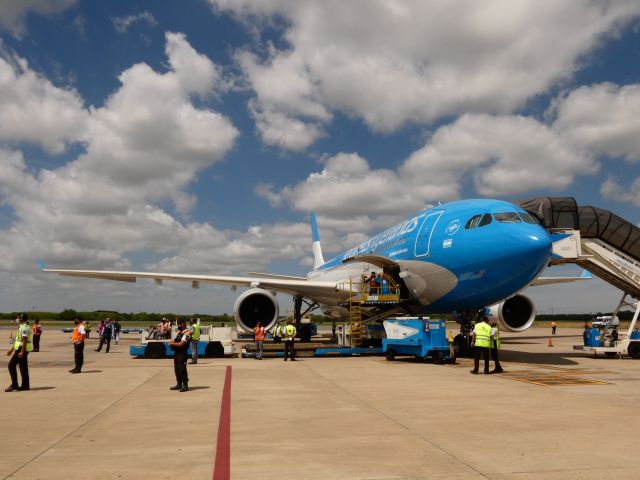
(486, 220)
(507, 217)
(527, 217)
(473, 222)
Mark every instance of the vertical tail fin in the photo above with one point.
(318, 259)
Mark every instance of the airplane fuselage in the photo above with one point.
(461, 255)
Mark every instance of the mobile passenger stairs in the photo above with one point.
(604, 244)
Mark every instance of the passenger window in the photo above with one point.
(527, 217)
(507, 217)
(486, 220)
(473, 222)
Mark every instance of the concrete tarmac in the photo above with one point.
(553, 414)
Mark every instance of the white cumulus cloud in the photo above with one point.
(604, 118)
(389, 63)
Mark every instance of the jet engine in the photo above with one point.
(515, 314)
(253, 306)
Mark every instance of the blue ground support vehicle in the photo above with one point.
(416, 336)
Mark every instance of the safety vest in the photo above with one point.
(277, 331)
(196, 332)
(289, 332)
(17, 341)
(482, 331)
(37, 329)
(259, 333)
(495, 340)
(76, 337)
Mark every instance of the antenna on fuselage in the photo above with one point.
(318, 259)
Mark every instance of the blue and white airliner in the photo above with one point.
(461, 256)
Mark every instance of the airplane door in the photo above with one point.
(423, 238)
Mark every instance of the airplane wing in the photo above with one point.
(553, 280)
(299, 286)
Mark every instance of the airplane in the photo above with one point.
(465, 257)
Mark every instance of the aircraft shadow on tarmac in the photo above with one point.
(538, 358)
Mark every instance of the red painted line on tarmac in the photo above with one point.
(222, 466)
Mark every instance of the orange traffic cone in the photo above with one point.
(550, 342)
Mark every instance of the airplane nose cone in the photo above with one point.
(530, 246)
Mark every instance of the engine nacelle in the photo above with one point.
(515, 314)
(253, 306)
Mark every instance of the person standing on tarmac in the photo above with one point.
(116, 331)
(289, 334)
(78, 338)
(194, 329)
(180, 345)
(482, 342)
(36, 331)
(107, 333)
(259, 334)
(276, 332)
(553, 327)
(495, 346)
(20, 350)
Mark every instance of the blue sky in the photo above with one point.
(196, 136)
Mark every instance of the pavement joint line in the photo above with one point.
(35, 457)
(414, 433)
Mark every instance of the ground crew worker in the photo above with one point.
(289, 334)
(495, 346)
(36, 332)
(553, 327)
(481, 339)
(195, 339)
(276, 333)
(20, 354)
(87, 328)
(78, 337)
(180, 345)
(105, 336)
(259, 334)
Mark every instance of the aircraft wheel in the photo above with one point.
(155, 350)
(390, 355)
(634, 350)
(460, 347)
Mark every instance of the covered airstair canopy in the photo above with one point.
(610, 245)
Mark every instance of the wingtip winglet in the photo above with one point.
(586, 274)
(42, 264)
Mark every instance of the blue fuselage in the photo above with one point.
(472, 253)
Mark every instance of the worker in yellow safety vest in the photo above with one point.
(481, 340)
(288, 335)
(195, 339)
(20, 353)
(495, 346)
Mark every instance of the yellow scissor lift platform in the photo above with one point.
(361, 294)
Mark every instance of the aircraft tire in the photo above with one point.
(155, 350)
(390, 355)
(460, 346)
